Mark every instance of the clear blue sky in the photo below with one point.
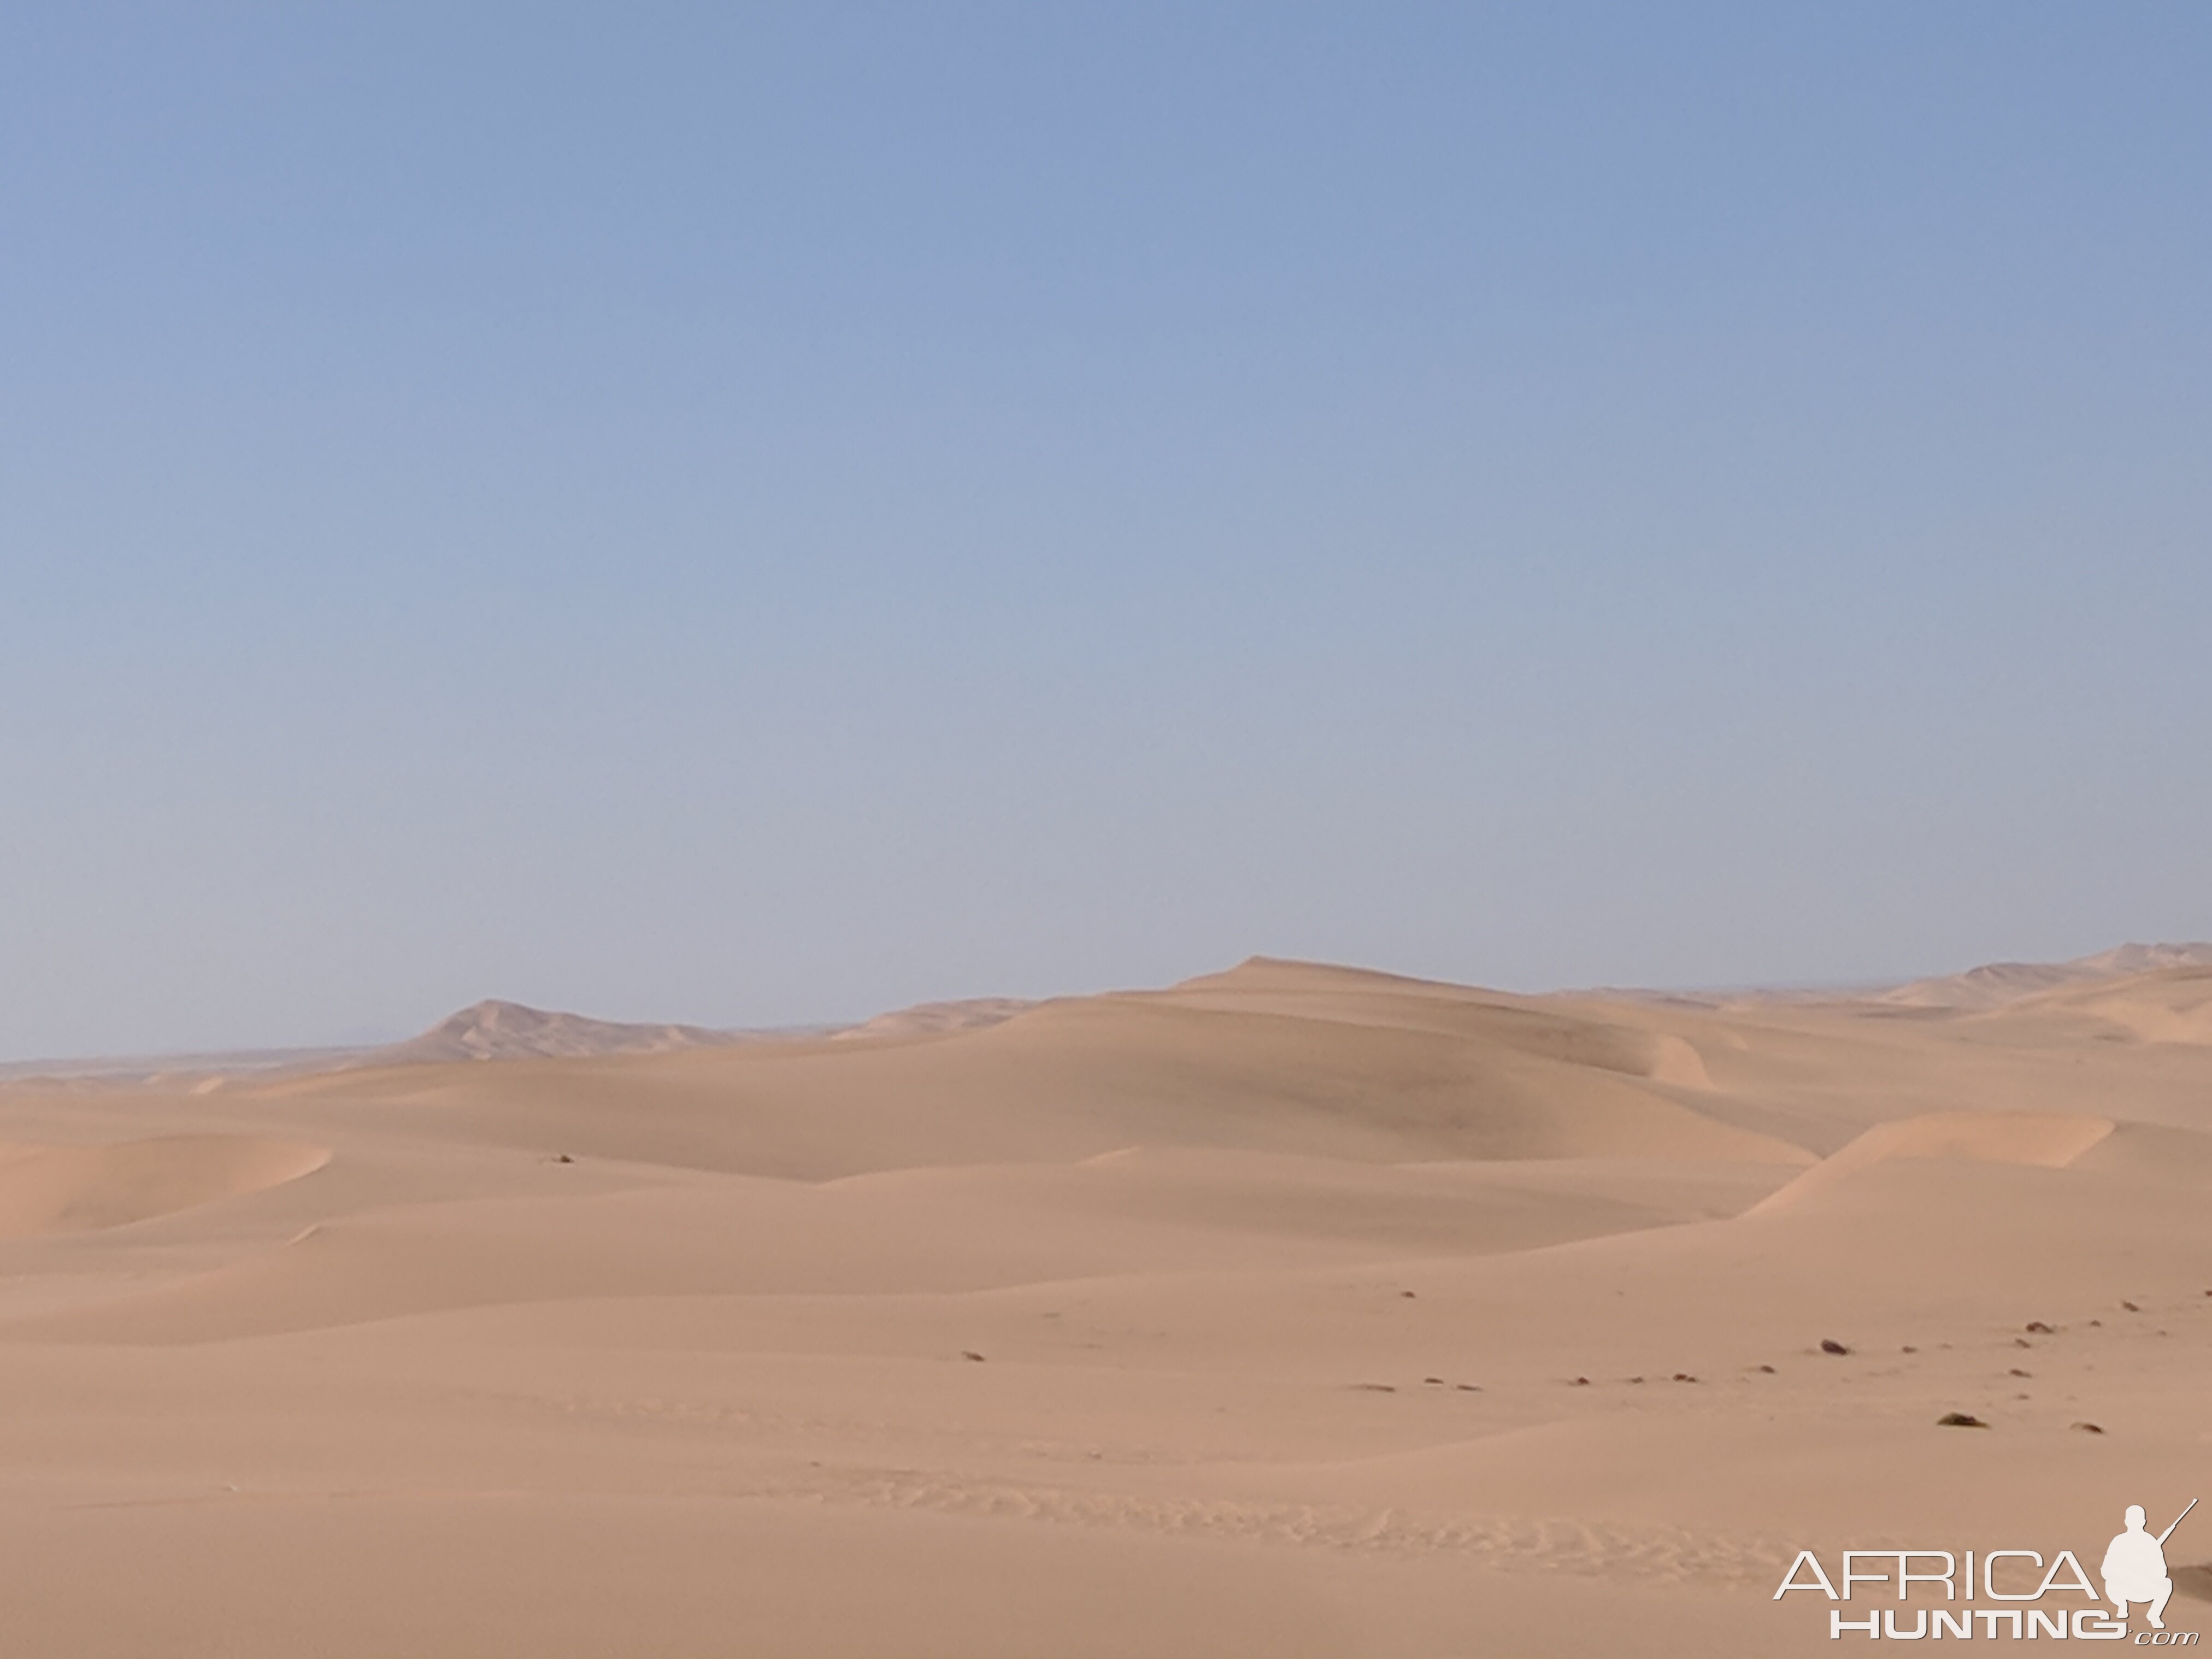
(757, 513)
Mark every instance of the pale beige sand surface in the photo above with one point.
(1292, 1310)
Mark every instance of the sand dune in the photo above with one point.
(1527, 1025)
(50, 1189)
(2000, 982)
(2047, 1139)
(2171, 1005)
(1293, 1309)
(1070, 1079)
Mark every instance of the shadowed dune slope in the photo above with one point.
(2172, 1005)
(1542, 1028)
(1998, 983)
(55, 1189)
(2049, 1139)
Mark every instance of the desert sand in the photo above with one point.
(1294, 1310)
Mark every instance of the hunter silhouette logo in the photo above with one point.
(2133, 1570)
(2135, 1566)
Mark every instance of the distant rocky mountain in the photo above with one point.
(508, 1031)
(495, 1030)
(932, 1018)
(1996, 983)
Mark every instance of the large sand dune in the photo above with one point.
(1293, 1309)
(2172, 1005)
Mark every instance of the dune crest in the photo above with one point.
(2050, 1140)
(2173, 1004)
(1541, 1028)
(64, 1189)
(1995, 984)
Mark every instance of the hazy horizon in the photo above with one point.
(765, 517)
(359, 1038)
